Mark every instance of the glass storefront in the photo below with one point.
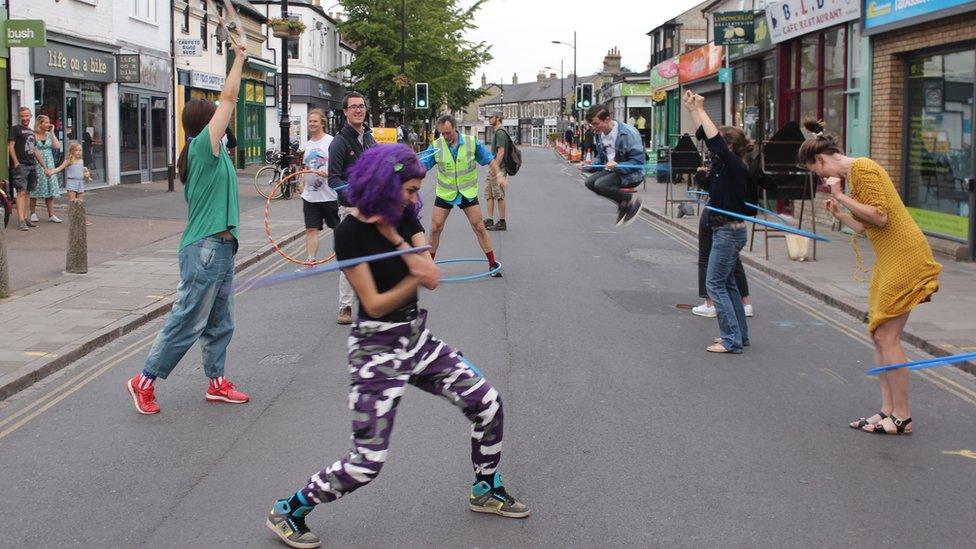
(940, 141)
(815, 69)
(142, 139)
(77, 110)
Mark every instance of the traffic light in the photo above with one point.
(562, 104)
(579, 96)
(586, 98)
(420, 93)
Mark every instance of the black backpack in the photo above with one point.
(513, 156)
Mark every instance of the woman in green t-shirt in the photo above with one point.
(204, 306)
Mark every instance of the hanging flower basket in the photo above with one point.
(286, 28)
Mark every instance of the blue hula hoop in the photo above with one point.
(468, 278)
(922, 364)
(471, 366)
(761, 209)
(784, 228)
(328, 268)
(626, 166)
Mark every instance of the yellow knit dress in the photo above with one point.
(905, 273)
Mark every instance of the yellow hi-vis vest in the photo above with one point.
(458, 175)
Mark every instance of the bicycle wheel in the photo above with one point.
(266, 180)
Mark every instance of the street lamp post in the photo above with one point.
(575, 76)
(284, 120)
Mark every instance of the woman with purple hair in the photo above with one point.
(390, 346)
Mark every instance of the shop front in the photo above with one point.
(144, 117)
(194, 85)
(70, 87)
(5, 107)
(754, 83)
(812, 40)
(925, 67)
(251, 111)
(697, 72)
(666, 106)
(309, 92)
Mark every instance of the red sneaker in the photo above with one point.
(143, 399)
(225, 392)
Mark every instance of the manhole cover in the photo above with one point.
(646, 302)
(659, 256)
(279, 360)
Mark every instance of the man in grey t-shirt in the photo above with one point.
(23, 165)
(497, 181)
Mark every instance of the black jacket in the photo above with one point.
(343, 153)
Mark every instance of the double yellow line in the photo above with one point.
(21, 417)
(939, 380)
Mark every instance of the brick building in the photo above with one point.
(924, 72)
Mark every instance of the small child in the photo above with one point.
(76, 174)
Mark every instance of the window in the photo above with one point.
(185, 29)
(816, 69)
(204, 24)
(293, 49)
(219, 44)
(144, 10)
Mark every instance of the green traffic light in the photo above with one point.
(422, 103)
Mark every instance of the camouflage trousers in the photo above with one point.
(383, 358)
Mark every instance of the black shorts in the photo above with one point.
(316, 212)
(464, 204)
(23, 178)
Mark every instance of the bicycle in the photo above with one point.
(267, 178)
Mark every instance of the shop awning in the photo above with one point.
(261, 65)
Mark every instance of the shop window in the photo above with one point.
(129, 132)
(817, 69)
(940, 141)
(204, 24)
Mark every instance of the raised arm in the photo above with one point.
(228, 99)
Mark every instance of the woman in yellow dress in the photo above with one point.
(904, 275)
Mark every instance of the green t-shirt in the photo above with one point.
(210, 192)
(500, 141)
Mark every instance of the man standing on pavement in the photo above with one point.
(497, 181)
(318, 199)
(616, 143)
(346, 148)
(457, 158)
(23, 165)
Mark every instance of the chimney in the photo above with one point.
(484, 80)
(552, 76)
(514, 78)
(611, 63)
(540, 77)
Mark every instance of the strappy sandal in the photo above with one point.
(863, 422)
(900, 427)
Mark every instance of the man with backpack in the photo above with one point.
(497, 181)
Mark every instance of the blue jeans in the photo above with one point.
(204, 309)
(727, 242)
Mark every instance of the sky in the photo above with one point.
(521, 32)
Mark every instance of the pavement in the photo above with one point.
(945, 326)
(620, 430)
(53, 318)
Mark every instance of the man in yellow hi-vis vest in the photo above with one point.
(457, 158)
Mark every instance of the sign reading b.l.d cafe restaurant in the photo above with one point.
(69, 88)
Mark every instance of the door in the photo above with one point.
(144, 150)
(158, 134)
(72, 117)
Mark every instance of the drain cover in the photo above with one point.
(279, 360)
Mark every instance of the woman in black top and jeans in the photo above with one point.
(728, 191)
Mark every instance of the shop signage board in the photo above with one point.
(725, 75)
(733, 27)
(73, 62)
(699, 63)
(885, 15)
(762, 41)
(665, 74)
(956, 226)
(127, 69)
(385, 135)
(206, 81)
(24, 33)
(793, 18)
(630, 89)
(189, 47)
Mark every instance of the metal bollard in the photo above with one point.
(77, 259)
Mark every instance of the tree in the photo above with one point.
(436, 52)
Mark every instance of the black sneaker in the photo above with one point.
(630, 212)
(489, 224)
(500, 226)
(497, 274)
(621, 212)
(289, 525)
